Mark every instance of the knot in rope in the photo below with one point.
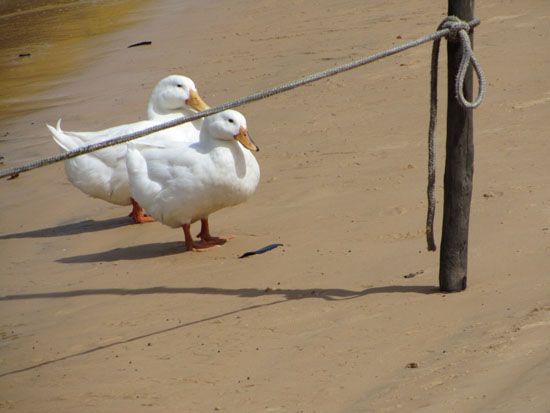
(454, 25)
(457, 30)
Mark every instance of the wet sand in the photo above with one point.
(99, 315)
(43, 41)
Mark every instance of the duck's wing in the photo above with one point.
(110, 133)
(112, 155)
(142, 186)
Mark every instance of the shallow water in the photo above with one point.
(43, 40)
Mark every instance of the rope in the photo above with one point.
(458, 29)
(441, 32)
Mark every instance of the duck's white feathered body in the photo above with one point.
(102, 174)
(188, 182)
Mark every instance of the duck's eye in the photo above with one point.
(231, 121)
(179, 85)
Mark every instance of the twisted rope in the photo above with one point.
(458, 29)
(441, 32)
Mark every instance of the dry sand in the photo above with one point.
(99, 315)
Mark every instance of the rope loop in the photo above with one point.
(467, 57)
(458, 31)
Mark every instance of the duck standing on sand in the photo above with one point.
(187, 183)
(102, 174)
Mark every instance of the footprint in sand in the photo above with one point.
(400, 236)
(493, 194)
(393, 211)
(498, 19)
(531, 103)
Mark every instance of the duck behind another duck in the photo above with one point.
(102, 174)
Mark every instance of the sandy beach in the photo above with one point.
(101, 315)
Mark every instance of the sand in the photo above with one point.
(99, 315)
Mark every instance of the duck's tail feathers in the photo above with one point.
(65, 141)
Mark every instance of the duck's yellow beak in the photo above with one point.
(196, 102)
(244, 138)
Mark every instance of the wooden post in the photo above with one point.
(453, 264)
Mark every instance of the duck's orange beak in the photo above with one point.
(196, 102)
(244, 138)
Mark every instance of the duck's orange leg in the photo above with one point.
(205, 236)
(138, 215)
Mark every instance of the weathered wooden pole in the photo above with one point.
(459, 166)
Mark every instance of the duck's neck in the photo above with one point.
(155, 112)
(209, 144)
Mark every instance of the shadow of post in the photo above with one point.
(330, 294)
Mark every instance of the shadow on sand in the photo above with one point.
(135, 252)
(334, 294)
(75, 228)
(330, 294)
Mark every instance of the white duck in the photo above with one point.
(181, 186)
(102, 174)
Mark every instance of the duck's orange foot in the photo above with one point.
(199, 246)
(217, 240)
(205, 236)
(142, 219)
(138, 215)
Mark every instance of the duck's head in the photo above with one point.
(227, 126)
(174, 93)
